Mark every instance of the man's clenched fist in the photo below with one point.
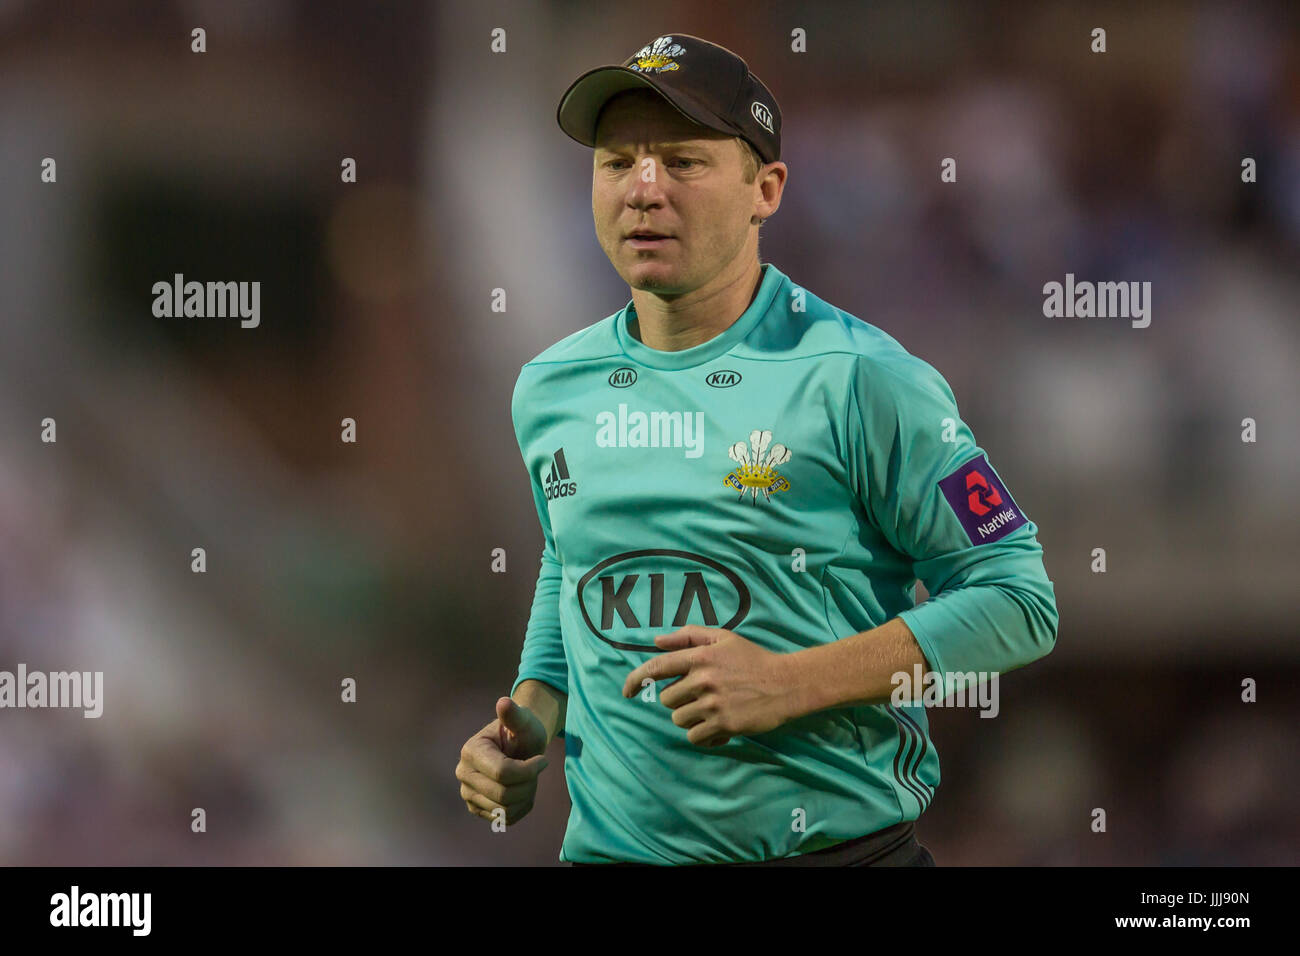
(499, 765)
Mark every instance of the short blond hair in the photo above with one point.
(750, 161)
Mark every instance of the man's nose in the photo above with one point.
(644, 186)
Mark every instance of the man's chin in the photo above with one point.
(652, 277)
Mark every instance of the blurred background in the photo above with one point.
(372, 560)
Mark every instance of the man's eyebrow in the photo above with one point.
(665, 144)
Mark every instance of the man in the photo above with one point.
(738, 486)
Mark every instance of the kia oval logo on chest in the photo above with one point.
(723, 378)
(622, 377)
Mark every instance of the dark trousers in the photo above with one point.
(892, 846)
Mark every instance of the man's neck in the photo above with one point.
(696, 317)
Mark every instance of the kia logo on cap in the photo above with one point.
(763, 115)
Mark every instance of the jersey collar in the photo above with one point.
(705, 351)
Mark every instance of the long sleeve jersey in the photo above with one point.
(789, 480)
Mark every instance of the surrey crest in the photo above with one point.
(756, 471)
(657, 57)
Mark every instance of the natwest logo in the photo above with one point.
(982, 499)
(627, 599)
(998, 521)
(973, 491)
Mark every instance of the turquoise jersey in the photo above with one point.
(790, 480)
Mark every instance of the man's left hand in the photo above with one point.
(729, 686)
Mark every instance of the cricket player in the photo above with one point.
(739, 486)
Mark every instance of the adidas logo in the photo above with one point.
(557, 483)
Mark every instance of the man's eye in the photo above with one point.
(612, 163)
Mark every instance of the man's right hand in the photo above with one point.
(499, 765)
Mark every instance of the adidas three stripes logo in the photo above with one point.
(912, 740)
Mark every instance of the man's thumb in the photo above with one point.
(513, 724)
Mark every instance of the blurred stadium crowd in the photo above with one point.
(372, 560)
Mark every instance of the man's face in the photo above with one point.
(656, 170)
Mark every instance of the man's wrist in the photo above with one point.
(852, 671)
(545, 703)
(805, 696)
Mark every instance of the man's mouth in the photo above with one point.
(644, 238)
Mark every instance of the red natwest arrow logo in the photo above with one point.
(982, 499)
